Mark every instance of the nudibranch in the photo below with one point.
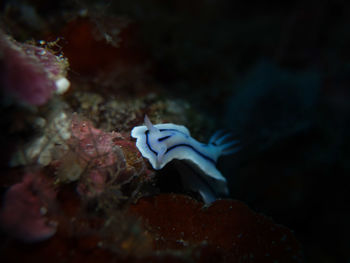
(162, 143)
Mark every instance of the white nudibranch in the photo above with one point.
(162, 143)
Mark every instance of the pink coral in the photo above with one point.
(25, 208)
(92, 144)
(97, 153)
(103, 162)
(29, 73)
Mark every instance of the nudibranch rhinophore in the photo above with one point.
(162, 143)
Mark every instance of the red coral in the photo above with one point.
(227, 229)
(89, 52)
(180, 228)
(26, 204)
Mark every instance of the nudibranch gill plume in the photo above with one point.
(162, 143)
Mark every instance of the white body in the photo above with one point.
(162, 143)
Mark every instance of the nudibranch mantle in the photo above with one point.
(162, 143)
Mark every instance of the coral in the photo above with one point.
(109, 112)
(84, 235)
(227, 230)
(25, 209)
(123, 233)
(116, 62)
(163, 228)
(89, 36)
(96, 152)
(46, 147)
(31, 74)
(101, 162)
(98, 161)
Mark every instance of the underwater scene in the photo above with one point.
(174, 131)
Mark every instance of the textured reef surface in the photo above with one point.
(77, 76)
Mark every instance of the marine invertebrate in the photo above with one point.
(25, 209)
(162, 143)
(48, 145)
(97, 158)
(102, 163)
(29, 73)
(227, 230)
